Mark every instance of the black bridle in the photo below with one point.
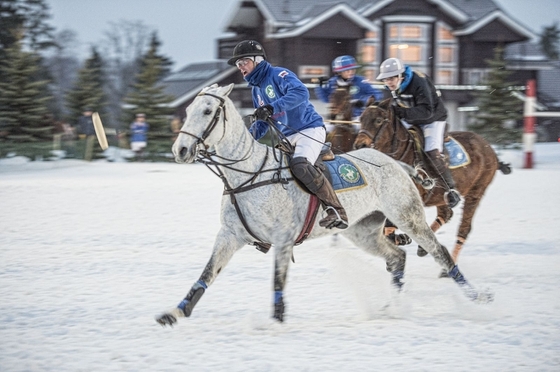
(394, 140)
(213, 122)
(209, 159)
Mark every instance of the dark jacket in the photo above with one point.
(418, 100)
(85, 125)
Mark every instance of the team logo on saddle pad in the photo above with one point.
(458, 157)
(349, 173)
(344, 174)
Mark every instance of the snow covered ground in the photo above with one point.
(91, 252)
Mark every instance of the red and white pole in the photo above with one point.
(529, 135)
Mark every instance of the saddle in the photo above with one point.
(419, 148)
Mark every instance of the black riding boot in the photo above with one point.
(451, 196)
(316, 183)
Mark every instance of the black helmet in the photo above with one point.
(246, 48)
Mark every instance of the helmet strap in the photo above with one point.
(398, 88)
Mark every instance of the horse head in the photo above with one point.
(340, 107)
(204, 124)
(376, 129)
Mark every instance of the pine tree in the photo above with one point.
(147, 94)
(25, 21)
(88, 89)
(550, 41)
(497, 105)
(23, 98)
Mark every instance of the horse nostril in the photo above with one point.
(183, 152)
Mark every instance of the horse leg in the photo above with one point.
(368, 235)
(410, 218)
(444, 214)
(225, 246)
(390, 232)
(282, 255)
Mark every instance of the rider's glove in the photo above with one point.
(399, 111)
(358, 103)
(264, 112)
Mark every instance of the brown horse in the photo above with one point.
(382, 131)
(342, 139)
(343, 134)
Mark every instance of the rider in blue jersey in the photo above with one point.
(278, 94)
(344, 69)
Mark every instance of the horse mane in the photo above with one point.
(373, 111)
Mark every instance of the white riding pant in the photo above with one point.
(308, 143)
(433, 134)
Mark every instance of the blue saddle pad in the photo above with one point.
(458, 157)
(344, 174)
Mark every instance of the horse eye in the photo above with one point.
(207, 111)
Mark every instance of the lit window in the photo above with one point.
(444, 33)
(406, 52)
(445, 77)
(445, 55)
(411, 32)
(394, 32)
(368, 53)
(371, 35)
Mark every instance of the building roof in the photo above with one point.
(188, 81)
(289, 18)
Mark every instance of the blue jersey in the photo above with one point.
(360, 89)
(281, 89)
(138, 132)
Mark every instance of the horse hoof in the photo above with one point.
(166, 319)
(421, 252)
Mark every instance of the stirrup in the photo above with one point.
(338, 222)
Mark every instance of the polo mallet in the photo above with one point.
(99, 131)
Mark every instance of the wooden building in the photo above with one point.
(447, 39)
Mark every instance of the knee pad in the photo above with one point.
(304, 171)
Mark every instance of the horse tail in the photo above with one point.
(504, 167)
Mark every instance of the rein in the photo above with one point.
(209, 160)
(394, 139)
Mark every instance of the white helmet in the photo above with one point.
(389, 68)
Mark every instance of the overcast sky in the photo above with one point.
(188, 29)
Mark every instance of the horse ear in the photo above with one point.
(227, 90)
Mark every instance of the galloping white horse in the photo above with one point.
(261, 202)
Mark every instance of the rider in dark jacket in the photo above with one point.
(417, 102)
(279, 94)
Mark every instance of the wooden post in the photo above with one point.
(529, 135)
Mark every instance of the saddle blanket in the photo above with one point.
(458, 157)
(343, 174)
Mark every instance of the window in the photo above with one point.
(445, 55)
(474, 76)
(444, 33)
(369, 53)
(411, 32)
(444, 77)
(446, 64)
(406, 52)
(409, 42)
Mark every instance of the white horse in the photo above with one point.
(261, 203)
